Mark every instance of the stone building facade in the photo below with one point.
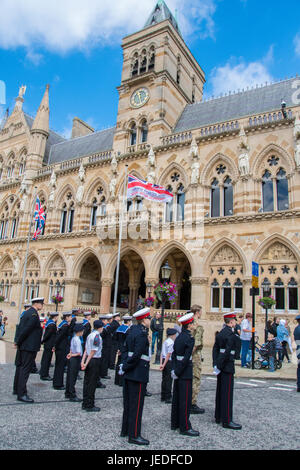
(232, 163)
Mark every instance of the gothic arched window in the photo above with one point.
(151, 59)
(67, 214)
(133, 133)
(215, 198)
(228, 197)
(293, 294)
(144, 131)
(215, 295)
(143, 66)
(267, 192)
(282, 188)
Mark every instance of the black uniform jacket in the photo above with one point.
(107, 333)
(87, 330)
(182, 355)
(62, 337)
(225, 349)
(49, 335)
(29, 331)
(136, 346)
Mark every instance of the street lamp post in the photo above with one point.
(166, 273)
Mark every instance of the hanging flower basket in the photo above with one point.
(169, 290)
(57, 299)
(266, 302)
(149, 301)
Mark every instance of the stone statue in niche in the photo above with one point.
(243, 148)
(80, 190)
(114, 164)
(194, 151)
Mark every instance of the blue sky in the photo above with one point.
(75, 46)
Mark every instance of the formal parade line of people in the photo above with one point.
(110, 342)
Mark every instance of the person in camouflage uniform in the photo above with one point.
(197, 333)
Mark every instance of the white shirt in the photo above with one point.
(76, 346)
(167, 348)
(94, 343)
(246, 325)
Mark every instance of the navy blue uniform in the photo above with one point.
(106, 335)
(61, 345)
(28, 340)
(120, 338)
(225, 350)
(182, 366)
(136, 364)
(48, 341)
(297, 339)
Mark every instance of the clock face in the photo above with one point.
(139, 98)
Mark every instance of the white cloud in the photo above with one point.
(297, 44)
(62, 25)
(237, 76)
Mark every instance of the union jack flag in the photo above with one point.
(39, 218)
(153, 192)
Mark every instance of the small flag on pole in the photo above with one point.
(152, 192)
(39, 218)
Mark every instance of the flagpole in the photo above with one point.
(120, 242)
(27, 251)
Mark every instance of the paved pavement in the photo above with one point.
(267, 409)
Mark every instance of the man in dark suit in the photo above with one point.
(135, 369)
(28, 341)
(297, 340)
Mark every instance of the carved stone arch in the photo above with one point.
(33, 263)
(112, 262)
(23, 152)
(266, 247)
(227, 252)
(163, 254)
(62, 194)
(6, 263)
(56, 259)
(82, 258)
(99, 181)
(167, 172)
(261, 161)
(209, 170)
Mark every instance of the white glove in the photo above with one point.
(216, 371)
(121, 371)
(173, 375)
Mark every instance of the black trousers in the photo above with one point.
(72, 374)
(133, 404)
(46, 362)
(166, 383)
(60, 362)
(113, 352)
(181, 404)
(284, 352)
(17, 372)
(118, 378)
(27, 359)
(224, 397)
(91, 377)
(104, 362)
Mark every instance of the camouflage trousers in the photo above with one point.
(197, 369)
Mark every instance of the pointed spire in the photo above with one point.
(20, 100)
(41, 122)
(161, 13)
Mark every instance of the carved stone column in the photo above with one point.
(105, 295)
(70, 294)
(200, 293)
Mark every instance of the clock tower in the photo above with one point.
(160, 77)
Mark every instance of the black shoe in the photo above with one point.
(59, 388)
(148, 394)
(112, 368)
(217, 421)
(168, 401)
(232, 425)
(124, 434)
(34, 371)
(106, 377)
(15, 393)
(298, 389)
(100, 385)
(48, 379)
(95, 408)
(174, 428)
(190, 432)
(76, 399)
(140, 441)
(195, 410)
(26, 399)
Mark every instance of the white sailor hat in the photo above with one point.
(27, 305)
(141, 314)
(37, 300)
(53, 314)
(186, 319)
(127, 317)
(117, 314)
(85, 314)
(66, 314)
(109, 316)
